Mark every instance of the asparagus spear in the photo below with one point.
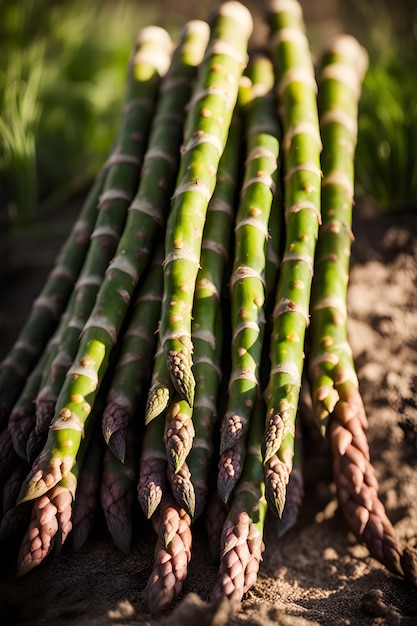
(115, 229)
(152, 483)
(205, 135)
(337, 402)
(248, 277)
(207, 323)
(182, 488)
(297, 91)
(172, 554)
(241, 541)
(47, 308)
(50, 523)
(179, 432)
(116, 492)
(161, 389)
(332, 371)
(101, 330)
(131, 371)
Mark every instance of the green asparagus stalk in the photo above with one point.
(147, 64)
(332, 371)
(49, 305)
(205, 136)
(134, 362)
(101, 330)
(248, 276)
(242, 535)
(337, 402)
(297, 94)
(207, 324)
(172, 554)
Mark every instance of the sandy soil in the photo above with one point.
(317, 573)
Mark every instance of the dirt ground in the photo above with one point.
(317, 574)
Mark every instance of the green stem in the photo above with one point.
(83, 378)
(207, 126)
(331, 368)
(297, 92)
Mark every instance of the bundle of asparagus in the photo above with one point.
(134, 349)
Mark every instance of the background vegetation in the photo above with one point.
(62, 76)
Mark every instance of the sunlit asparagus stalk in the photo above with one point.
(50, 523)
(101, 330)
(51, 518)
(248, 276)
(337, 402)
(134, 362)
(172, 554)
(49, 305)
(297, 94)
(242, 536)
(207, 323)
(114, 233)
(331, 368)
(207, 126)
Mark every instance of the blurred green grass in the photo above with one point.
(63, 67)
(62, 79)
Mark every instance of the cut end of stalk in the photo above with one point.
(349, 47)
(285, 6)
(237, 11)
